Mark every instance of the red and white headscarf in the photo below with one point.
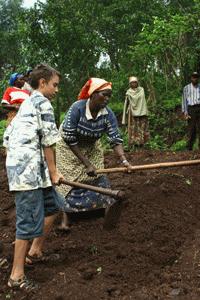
(93, 85)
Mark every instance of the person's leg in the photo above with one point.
(51, 204)
(64, 223)
(136, 139)
(19, 259)
(191, 128)
(37, 245)
(27, 228)
(17, 277)
(198, 125)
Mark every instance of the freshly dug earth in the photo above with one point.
(154, 253)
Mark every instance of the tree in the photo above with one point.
(10, 39)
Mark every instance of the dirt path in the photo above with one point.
(153, 254)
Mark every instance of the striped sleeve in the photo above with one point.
(184, 100)
(113, 130)
(49, 132)
(69, 132)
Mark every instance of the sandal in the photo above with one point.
(4, 263)
(33, 260)
(22, 283)
(42, 259)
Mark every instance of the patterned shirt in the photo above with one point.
(14, 95)
(191, 96)
(79, 125)
(32, 129)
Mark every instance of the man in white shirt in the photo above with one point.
(191, 109)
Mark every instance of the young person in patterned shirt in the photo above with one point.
(32, 172)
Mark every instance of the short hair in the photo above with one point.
(42, 71)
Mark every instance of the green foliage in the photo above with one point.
(157, 40)
(157, 142)
(62, 116)
(179, 145)
(106, 146)
(171, 103)
(10, 40)
(2, 129)
(124, 136)
(116, 106)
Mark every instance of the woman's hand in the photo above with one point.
(91, 171)
(127, 165)
(187, 116)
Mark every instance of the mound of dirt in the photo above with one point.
(154, 253)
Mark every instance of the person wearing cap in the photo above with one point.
(135, 113)
(191, 109)
(79, 153)
(14, 95)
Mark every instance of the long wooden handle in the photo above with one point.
(113, 193)
(151, 166)
(129, 127)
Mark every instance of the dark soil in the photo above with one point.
(154, 253)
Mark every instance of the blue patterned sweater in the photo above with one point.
(79, 125)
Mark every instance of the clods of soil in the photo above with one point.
(154, 253)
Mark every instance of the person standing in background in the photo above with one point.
(135, 113)
(191, 109)
(14, 95)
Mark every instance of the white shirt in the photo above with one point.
(191, 96)
(32, 129)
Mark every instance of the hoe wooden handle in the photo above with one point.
(151, 166)
(113, 193)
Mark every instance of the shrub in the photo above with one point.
(2, 129)
(179, 145)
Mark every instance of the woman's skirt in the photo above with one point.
(72, 169)
(138, 130)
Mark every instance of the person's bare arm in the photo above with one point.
(49, 153)
(10, 107)
(118, 149)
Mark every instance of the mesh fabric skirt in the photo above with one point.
(72, 169)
